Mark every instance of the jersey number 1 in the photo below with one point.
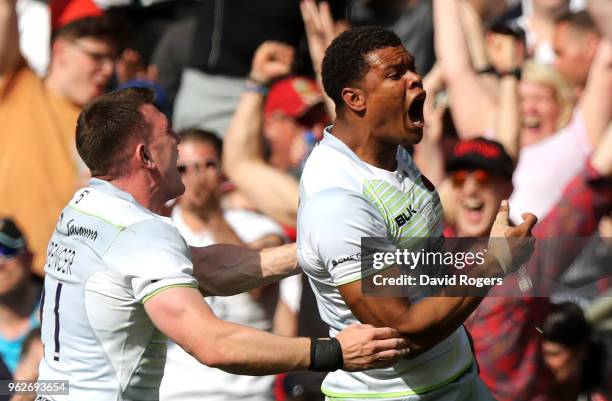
(58, 293)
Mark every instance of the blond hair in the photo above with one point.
(547, 75)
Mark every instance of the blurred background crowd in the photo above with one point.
(518, 107)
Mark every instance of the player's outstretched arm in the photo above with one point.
(228, 269)
(182, 314)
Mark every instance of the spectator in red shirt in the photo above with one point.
(507, 345)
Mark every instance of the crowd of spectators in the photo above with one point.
(518, 107)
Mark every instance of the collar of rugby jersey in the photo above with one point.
(109, 189)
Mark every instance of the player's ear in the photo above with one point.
(354, 98)
(144, 156)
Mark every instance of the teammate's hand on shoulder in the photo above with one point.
(511, 246)
(367, 347)
(272, 60)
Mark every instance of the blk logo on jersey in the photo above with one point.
(405, 216)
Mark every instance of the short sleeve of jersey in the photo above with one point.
(151, 256)
(332, 224)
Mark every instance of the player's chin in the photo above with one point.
(178, 189)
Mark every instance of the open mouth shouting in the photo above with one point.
(415, 112)
(533, 129)
(531, 122)
(473, 209)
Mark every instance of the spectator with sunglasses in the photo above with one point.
(481, 174)
(199, 210)
(202, 220)
(18, 296)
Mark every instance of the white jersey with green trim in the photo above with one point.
(343, 199)
(108, 255)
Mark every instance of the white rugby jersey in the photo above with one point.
(343, 199)
(108, 255)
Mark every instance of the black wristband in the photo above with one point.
(325, 354)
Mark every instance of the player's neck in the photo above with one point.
(381, 156)
(144, 191)
(364, 144)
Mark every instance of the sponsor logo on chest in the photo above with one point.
(405, 216)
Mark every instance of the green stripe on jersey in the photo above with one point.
(157, 291)
(391, 202)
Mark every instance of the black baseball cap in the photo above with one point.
(481, 153)
(12, 240)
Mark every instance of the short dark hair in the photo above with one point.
(204, 136)
(106, 123)
(344, 63)
(104, 28)
(580, 20)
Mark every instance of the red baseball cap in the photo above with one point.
(293, 96)
(64, 12)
